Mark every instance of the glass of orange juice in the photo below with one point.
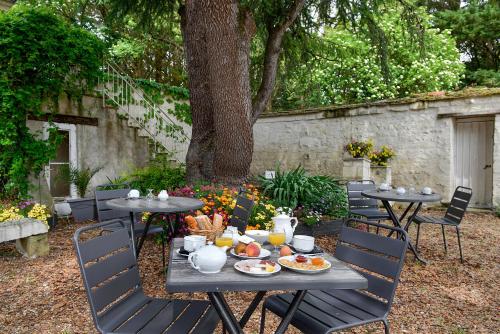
(277, 237)
(222, 240)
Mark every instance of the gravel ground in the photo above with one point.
(46, 295)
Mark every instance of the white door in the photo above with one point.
(474, 158)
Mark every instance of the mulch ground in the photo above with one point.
(46, 295)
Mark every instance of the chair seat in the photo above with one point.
(141, 314)
(432, 220)
(371, 213)
(326, 311)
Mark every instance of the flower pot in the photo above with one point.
(356, 169)
(83, 209)
(381, 174)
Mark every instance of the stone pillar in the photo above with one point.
(356, 169)
(33, 246)
(30, 235)
(381, 174)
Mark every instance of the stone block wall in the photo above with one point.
(421, 133)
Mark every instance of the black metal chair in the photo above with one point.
(242, 211)
(106, 192)
(117, 302)
(376, 257)
(360, 206)
(453, 216)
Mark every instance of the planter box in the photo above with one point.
(381, 174)
(356, 169)
(323, 228)
(83, 209)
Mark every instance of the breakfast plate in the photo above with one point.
(305, 264)
(258, 268)
(263, 253)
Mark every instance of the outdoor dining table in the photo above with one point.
(173, 205)
(385, 196)
(181, 277)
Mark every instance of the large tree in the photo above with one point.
(218, 37)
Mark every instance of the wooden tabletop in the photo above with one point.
(172, 205)
(181, 277)
(392, 195)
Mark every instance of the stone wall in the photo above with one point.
(496, 163)
(112, 145)
(421, 132)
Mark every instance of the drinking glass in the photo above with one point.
(150, 195)
(277, 237)
(222, 240)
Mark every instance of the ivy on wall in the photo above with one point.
(41, 57)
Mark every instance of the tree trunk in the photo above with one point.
(217, 50)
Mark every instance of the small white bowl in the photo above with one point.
(260, 236)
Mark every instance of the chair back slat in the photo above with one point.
(110, 291)
(103, 245)
(379, 264)
(355, 199)
(378, 258)
(378, 243)
(458, 205)
(104, 269)
(108, 267)
(106, 192)
(241, 212)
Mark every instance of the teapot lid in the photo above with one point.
(282, 215)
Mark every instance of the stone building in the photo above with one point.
(440, 141)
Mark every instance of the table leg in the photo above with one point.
(251, 308)
(397, 223)
(228, 319)
(294, 305)
(145, 233)
(132, 231)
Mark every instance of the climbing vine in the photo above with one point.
(41, 57)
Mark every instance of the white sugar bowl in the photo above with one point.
(134, 193)
(163, 195)
(400, 191)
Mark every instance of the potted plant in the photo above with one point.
(82, 208)
(380, 170)
(356, 165)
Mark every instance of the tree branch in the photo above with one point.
(271, 58)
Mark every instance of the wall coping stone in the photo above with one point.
(17, 229)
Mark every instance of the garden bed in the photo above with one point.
(46, 295)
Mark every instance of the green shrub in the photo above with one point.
(498, 211)
(295, 189)
(80, 178)
(159, 175)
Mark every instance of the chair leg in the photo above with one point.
(386, 325)
(262, 320)
(418, 235)
(459, 244)
(444, 239)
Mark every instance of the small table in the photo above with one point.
(173, 205)
(412, 198)
(181, 277)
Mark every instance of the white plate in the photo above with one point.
(302, 271)
(239, 267)
(263, 253)
(178, 251)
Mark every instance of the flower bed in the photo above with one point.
(24, 209)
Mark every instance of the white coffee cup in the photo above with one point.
(426, 190)
(303, 243)
(400, 191)
(384, 186)
(134, 193)
(193, 242)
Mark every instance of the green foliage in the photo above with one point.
(345, 67)
(80, 178)
(295, 188)
(497, 211)
(42, 56)
(159, 175)
(476, 28)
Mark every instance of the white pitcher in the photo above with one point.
(284, 222)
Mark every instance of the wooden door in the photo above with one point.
(474, 158)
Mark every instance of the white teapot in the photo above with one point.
(208, 259)
(284, 222)
(163, 195)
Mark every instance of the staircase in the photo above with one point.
(166, 134)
